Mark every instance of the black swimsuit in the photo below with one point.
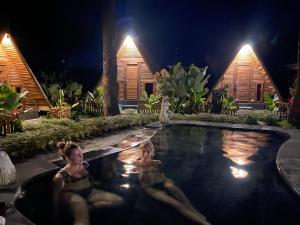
(71, 182)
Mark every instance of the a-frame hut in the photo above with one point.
(246, 78)
(134, 72)
(16, 72)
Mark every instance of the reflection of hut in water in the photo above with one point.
(239, 147)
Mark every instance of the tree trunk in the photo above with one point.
(294, 116)
(109, 75)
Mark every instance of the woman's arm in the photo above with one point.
(58, 184)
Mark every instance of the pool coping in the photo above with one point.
(288, 155)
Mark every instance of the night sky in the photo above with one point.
(66, 35)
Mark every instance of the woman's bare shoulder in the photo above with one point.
(58, 178)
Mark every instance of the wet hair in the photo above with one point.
(147, 144)
(66, 148)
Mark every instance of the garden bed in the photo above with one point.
(43, 134)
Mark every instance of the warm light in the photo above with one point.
(125, 185)
(238, 173)
(246, 49)
(129, 42)
(6, 40)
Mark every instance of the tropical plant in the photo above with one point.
(10, 101)
(93, 103)
(186, 89)
(151, 101)
(10, 104)
(73, 92)
(271, 101)
(229, 104)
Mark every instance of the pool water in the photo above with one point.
(229, 176)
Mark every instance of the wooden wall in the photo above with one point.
(133, 73)
(246, 78)
(14, 69)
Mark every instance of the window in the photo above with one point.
(149, 88)
(18, 89)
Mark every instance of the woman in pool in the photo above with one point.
(157, 185)
(72, 186)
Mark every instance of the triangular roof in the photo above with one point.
(234, 57)
(135, 45)
(7, 43)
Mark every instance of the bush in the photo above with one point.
(243, 117)
(251, 120)
(130, 111)
(43, 135)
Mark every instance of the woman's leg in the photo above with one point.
(178, 194)
(99, 199)
(78, 207)
(186, 211)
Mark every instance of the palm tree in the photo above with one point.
(109, 75)
(294, 116)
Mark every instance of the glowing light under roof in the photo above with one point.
(6, 40)
(246, 49)
(129, 42)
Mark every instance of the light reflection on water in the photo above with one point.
(127, 158)
(240, 147)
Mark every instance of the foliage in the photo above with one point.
(229, 104)
(44, 134)
(9, 99)
(151, 101)
(10, 103)
(270, 101)
(186, 89)
(73, 92)
(129, 111)
(251, 120)
(93, 103)
(242, 117)
(54, 84)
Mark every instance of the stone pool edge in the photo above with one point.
(288, 155)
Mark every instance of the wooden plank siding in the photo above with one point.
(133, 73)
(132, 82)
(19, 76)
(245, 77)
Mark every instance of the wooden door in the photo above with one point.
(132, 85)
(2, 73)
(243, 74)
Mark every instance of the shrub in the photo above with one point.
(251, 120)
(129, 111)
(47, 132)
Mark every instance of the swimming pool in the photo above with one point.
(230, 176)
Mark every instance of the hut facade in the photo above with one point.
(16, 72)
(134, 75)
(246, 78)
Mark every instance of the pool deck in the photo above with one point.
(288, 158)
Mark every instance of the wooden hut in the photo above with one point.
(246, 78)
(134, 74)
(16, 72)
